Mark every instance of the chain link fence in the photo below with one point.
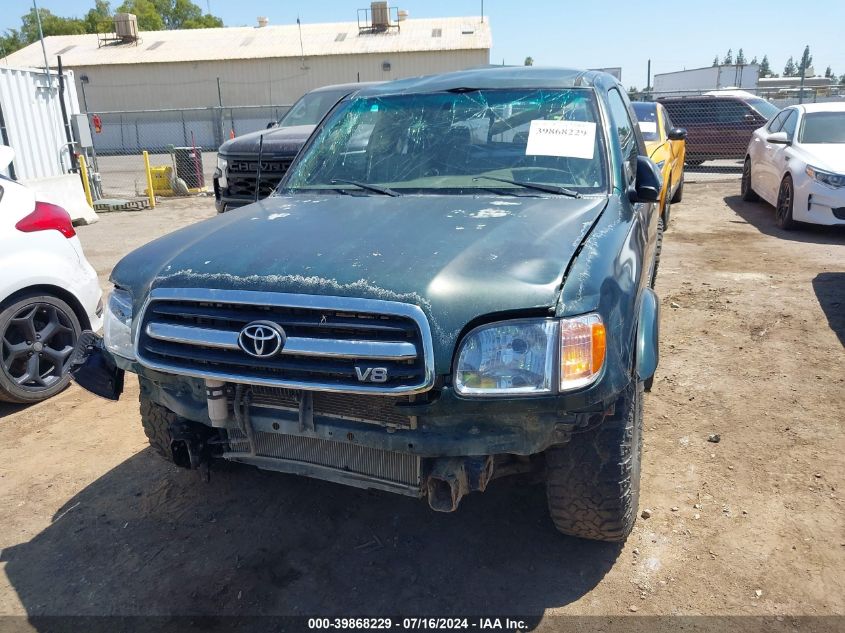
(719, 123)
(184, 139)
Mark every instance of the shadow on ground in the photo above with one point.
(147, 538)
(761, 216)
(830, 291)
(8, 408)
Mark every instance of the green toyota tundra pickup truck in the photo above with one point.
(452, 283)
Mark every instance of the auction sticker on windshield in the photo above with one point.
(569, 139)
(648, 127)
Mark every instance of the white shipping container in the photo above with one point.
(31, 121)
(698, 80)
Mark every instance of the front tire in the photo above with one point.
(786, 200)
(157, 421)
(745, 186)
(38, 333)
(593, 482)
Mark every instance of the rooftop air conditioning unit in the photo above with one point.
(380, 15)
(126, 26)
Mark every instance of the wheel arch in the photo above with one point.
(647, 344)
(48, 289)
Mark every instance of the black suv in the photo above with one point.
(718, 127)
(237, 173)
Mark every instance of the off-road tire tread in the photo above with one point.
(658, 249)
(157, 420)
(592, 483)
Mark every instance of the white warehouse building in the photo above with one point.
(263, 65)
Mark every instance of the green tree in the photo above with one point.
(148, 16)
(790, 70)
(99, 19)
(765, 70)
(828, 73)
(754, 60)
(716, 60)
(529, 61)
(50, 25)
(740, 58)
(806, 61)
(184, 14)
(729, 57)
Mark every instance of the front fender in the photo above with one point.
(648, 335)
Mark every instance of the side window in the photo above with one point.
(789, 124)
(730, 112)
(667, 122)
(777, 123)
(621, 120)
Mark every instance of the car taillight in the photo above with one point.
(47, 217)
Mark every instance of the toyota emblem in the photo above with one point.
(262, 339)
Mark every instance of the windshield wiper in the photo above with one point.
(563, 191)
(368, 187)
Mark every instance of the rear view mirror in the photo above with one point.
(677, 134)
(778, 138)
(649, 182)
(271, 124)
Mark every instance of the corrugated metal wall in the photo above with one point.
(33, 120)
(254, 81)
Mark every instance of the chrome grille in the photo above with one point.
(331, 341)
(386, 466)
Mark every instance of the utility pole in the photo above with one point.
(482, 11)
(648, 78)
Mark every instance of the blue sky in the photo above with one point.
(674, 35)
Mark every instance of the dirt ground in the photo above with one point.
(753, 329)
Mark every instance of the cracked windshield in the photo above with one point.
(520, 142)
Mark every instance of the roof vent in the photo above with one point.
(436, 32)
(403, 15)
(380, 17)
(340, 37)
(126, 27)
(262, 21)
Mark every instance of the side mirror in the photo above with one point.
(677, 134)
(750, 117)
(649, 182)
(778, 138)
(271, 124)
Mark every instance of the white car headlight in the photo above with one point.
(117, 324)
(222, 164)
(825, 177)
(530, 356)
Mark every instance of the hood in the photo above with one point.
(457, 257)
(277, 140)
(829, 156)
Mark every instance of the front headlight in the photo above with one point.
(220, 174)
(825, 177)
(530, 356)
(117, 324)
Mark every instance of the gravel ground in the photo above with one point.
(753, 330)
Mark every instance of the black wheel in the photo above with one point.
(745, 187)
(157, 421)
(786, 198)
(593, 482)
(658, 249)
(679, 192)
(38, 333)
(667, 212)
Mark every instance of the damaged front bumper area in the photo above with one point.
(435, 445)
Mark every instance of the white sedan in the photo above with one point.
(49, 293)
(796, 162)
